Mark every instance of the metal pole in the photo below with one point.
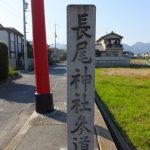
(25, 42)
(55, 36)
(44, 98)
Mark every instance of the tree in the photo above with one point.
(3, 61)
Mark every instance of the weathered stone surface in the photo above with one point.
(80, 76)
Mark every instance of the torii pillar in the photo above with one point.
(44, 98)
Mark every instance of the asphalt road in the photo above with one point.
(17, 101)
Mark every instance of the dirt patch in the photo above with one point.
(127, 72)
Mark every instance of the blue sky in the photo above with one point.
(129, 18)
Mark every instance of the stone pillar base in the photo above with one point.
(44, 103)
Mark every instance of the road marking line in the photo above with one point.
(17, 139)
(64, 148)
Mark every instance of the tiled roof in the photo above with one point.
(112, 33)
(10, 29)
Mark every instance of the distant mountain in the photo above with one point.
(59, 46)
(127, 47)
(138, 47)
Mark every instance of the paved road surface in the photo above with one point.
(17, 101)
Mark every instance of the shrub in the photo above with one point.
(12, 72)
(3, 61)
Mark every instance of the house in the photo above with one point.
(14, 40)
(147, 55)
(128, 54)
(109, 51)
(110, 45)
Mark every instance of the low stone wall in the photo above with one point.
(12, 62)
(111, 61)
(30, 63)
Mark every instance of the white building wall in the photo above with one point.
(12, 36)
(12, 39)
(101, 44)
(16, 46)
(111, 61)
(19, 44)
(4, 36)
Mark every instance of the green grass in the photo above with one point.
(128, 101)
(140, 60)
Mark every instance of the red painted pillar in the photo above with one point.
(44, 100)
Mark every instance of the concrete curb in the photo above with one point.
(104, 139)
(15, 77)
(117, 137)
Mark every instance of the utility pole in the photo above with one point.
(25, 7)
(55, 36)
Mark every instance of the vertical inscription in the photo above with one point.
(80, 76)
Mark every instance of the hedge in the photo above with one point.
(3, 61)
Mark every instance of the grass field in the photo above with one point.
(126, 94)
(140, 61)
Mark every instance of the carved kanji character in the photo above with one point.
(76, 103)
(82, 27)
(81, 125)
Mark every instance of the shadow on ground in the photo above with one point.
(61, 116)
(103, 132)
(57, 115)
(58, 71)
(19, 93)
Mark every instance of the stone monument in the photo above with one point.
(80, 76)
